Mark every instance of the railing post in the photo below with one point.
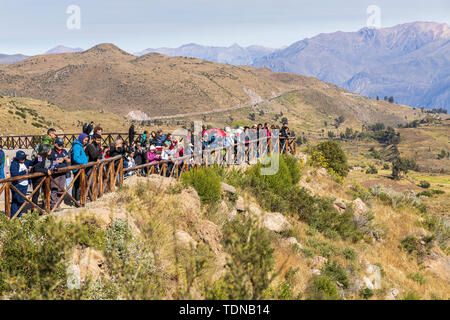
(121, 172)
(94, 189)
(83, 187)
(100, 180)
(47, 194)
(7, 200)
(112, 178)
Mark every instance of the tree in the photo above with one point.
(331, 135)
(391, 99)
(329, 155)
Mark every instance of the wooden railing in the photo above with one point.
(31, 141)
(97, 178)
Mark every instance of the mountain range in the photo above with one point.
(154, 85)
(234, 55)
(409, 62)
(14, 58)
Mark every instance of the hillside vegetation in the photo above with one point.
(20, 116)
(294, 235)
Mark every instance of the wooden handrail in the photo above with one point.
(106, 174)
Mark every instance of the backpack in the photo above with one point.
(85, 128)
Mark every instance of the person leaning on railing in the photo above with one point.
(77, 157)
(61, 160)
(2, 162)
(42, 164)
(20, 166)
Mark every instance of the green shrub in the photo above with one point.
(424, 184)
(273, 190)
(336, 272)
(411, 296)
(329, 155)
(294, 168)
(320, 214)
(414, 245)
(425, 193)
(206, 182)
(34, 253)
(358, 191)
(249, 268)
(386, 167)
(372, 169)
(323, 288)
(366, 293)
(397, 199)
(434, 191)
(349, 254)
(417, 277)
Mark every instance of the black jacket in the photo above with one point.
(94, 152)
(139, 157)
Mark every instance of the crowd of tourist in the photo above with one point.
(50, 157)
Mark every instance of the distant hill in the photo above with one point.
(12, 58)
(234, 55)
(409, 61)
(106, 77)
(63, 49)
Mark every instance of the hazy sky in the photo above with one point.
(35, 26)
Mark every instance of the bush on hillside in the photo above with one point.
(206, 182)
(424, 184)
(336, 272)
(273, 190)
(372, 169)
(323, 288)
(249, 268)
(329, 155)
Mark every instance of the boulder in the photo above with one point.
(368, 283)
(240, 204)
(275, 221)
(339, 205)
(86, 262)
(303, 157)
(392, 295)
(438, 265)
(227, 188)
(293, 242)
(190, 200)
(185, 238)
(359, 207)
(374, 275)
(316, 272)
(255, 210)
(319, 261)
(210, 234)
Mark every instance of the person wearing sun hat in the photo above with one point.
(20, 166)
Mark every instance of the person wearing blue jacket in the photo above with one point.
(20, 166)
(2, 163)
(78, 156)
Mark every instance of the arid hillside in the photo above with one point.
(25, 116)
(109, 79)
